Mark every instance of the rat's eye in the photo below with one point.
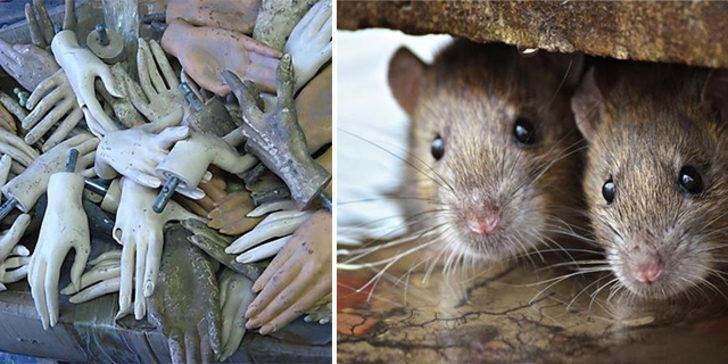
(523, 131)
(608, 191)
(690, 180)
(437, 148)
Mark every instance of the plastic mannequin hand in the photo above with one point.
(276, 20)
(189, 160)
(140, 231)
(14, 268)
(185, 305)
(53, 101)
(313, 107)
(82, 67)
(158, 98)
(26, 63)
(8, 108)
(205, 51)
(320, 314)
(13, 146)
(124, 109)
(236, 16)
(64, 227)
(215, 194)
(310, 42)
(27, 187)
(275, 225)
(134, 153)
(235, 295)
(298, 277)
(230, 216)
(10, 238)
(40, 25)
(100, 280)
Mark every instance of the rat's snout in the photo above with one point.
(646, 267)
(483, 221)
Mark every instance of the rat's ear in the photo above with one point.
(587, 105)
(715, 92)
(406, 73)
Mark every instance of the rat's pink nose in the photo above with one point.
(483, 225)
(647, 271)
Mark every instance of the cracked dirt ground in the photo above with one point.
(506, 320)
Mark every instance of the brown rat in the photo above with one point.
(655, 180)
(493, 146)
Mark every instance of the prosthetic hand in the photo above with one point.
(298, 277)
(187, 163)
(236, 16)
(82, 67)
(276, 19)
(235, 295)
(276, 225)
(26, 63)
(185, 305)
(101, 279)
(64, 227)
(134, 153)
(161, 102)
(140, 231)
(277, 139)
(24, 190)
(205, 51)
(310, 42)
(53, 101)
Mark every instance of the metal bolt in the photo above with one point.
(190, 96)
(72, 159)
(103, 35)
(165, 194)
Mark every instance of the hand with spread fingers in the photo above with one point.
(28, 186)
(135, 153)
(82, 68)
(140, 231)
(297, 278)
(64, 227)
(205, 52)
(52, 102)
(310, 42)
(236, 293)
(157, 96)
(102, 279)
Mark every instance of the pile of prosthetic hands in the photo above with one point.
(211, 153)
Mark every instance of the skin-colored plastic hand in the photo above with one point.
(276, 225)
(140, 231)
(189, 160)
(237, 16)
(9, 108)
(26, 63)
(64, 227)
(124, 109)
(310, 42)
(53, 101)
(298, 277)
(101, 279)
(158, 98)
(82, 68)
(27, 187)
(135, 153)
(236, 294)
(276, 20)
(13, 146)
(185, 305)
(204, 52)
(230, 217)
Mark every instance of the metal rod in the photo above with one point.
(98, 186)
(325, 200)
(190, 96)
(165, 194)
(103, 35)
(71, 160)
(7, 207)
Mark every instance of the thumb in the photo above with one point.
(79, 263)
(109, 83)
(169, 136)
